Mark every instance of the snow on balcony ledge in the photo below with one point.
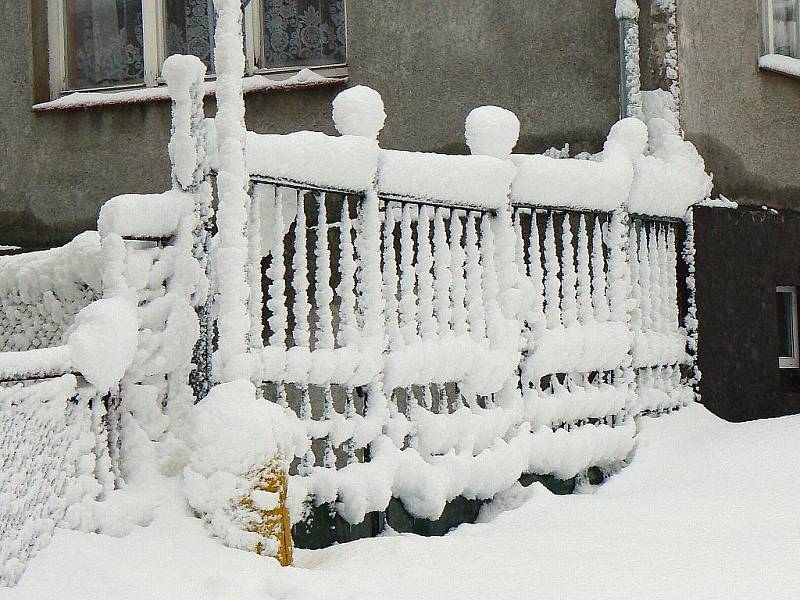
(780, 64)
(303, 79)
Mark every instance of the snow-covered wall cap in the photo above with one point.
(359, 111)
(454, 180)
(347, 163)
(627, 9)
(602, 183)
(145, 215)
(492, 131)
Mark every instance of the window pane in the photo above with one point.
(190, 29)
(784, 25)
(104, 43)
(304, 33)
(785, 324)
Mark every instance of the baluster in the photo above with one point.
(636, 288)
(664, 270)
(569, 278)
(491, 287)
(300, 283)
(443, 277)
(348, 329)
(585, 312)
(536, 272)
(425, 281)
(390, 277)
(349, 414)
(552, 278)
(654, 263)
(459, 290)
(673, 278)
(519, 242)
(599, 297)
(276, 301)
(645, 282)
(475, 308)
(324, 298)
(408, 295)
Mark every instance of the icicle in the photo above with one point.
(569, 278)
(302, 306)
(443, 278)
(491, 287)
(619, 275)
(536, 272)
(322, 288)
(276, 301)
(408, 295)
(425, 282)
(599, 297)
(552, 281)
(645, 282)
(348, 327)
(458, 273)
(665, 305)
(654, 263)
(672, 259)
(585, 312)
(328, 413)
(254, 274)
(390, 277)
(309, 459)
(636, 288)
(474, 269)
(519, 242)
(350, 414)
(372, 306)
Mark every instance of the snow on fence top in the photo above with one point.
(154, 216)
(41, 292)
(644, 165)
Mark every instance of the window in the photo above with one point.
(789, 350)
(781, 24)
(106, 44)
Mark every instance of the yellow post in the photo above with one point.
(273, 523)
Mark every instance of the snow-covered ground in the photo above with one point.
(707, 509)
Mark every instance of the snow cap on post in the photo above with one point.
(359, 111)
(182, 73)
(492, 131)
(629, 136)
(626, 9)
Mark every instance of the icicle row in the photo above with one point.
(276, 301)
(300, 283)
(599, 297)
(536, 272)
(552, 278)
(491, 286)
(390, 278)
(425, 279)
(654, 264)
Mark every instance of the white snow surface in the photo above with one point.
(460, 181)
(706, 510)
(781, 64)
(359, 111)
(145, 215)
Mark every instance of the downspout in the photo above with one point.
(630, 96)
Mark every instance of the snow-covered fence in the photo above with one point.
(41, 292)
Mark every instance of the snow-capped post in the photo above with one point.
(190, 172)
(359, 111)
(630, 94)
(230, 245)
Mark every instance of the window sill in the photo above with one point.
(303, 79)
(777, 63)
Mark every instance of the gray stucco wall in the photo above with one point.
(554, 63)
(745, 122)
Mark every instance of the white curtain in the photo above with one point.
(304, 33)
(104, 42)
(784, 20)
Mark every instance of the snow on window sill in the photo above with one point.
(303, 79)
(780, 64)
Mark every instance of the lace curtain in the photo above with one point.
(304, 33)
(190, 29)
(104, 42)
(784, 19)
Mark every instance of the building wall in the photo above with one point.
(742, 256)
(745, 122)
(554, 63)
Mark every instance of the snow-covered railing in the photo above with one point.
(41, 292)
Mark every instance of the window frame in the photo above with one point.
(154, 49)
(790, 362)
(768, 28)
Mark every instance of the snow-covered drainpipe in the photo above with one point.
(630, 97)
